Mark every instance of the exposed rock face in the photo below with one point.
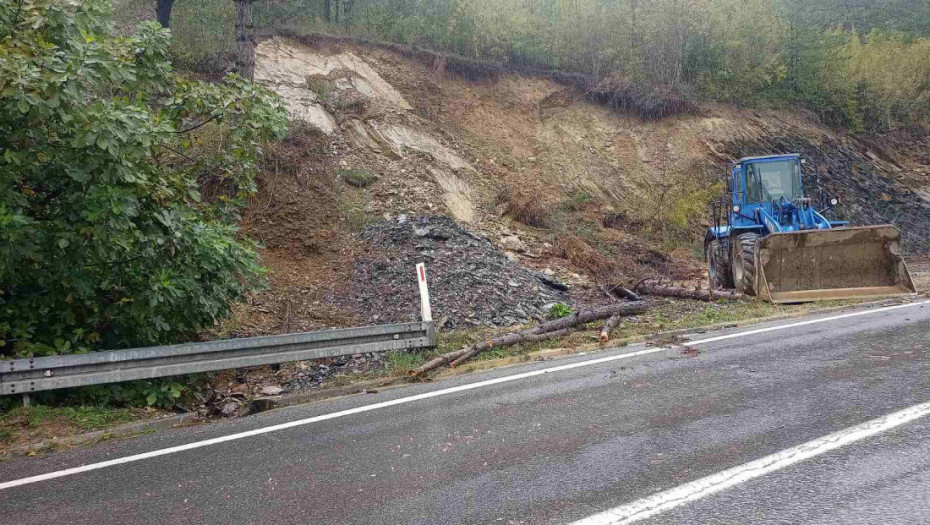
(471, 281)
(303, 106)
(289, 69)
(401, 138)
(458, 196)
(282, 62)
(321, 89)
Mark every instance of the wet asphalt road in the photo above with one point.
(551, 448)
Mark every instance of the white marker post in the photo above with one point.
(426, 312)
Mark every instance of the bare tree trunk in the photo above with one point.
(510, 340)
(163, 12)
(245, 39)
(609, 326)
(635, 51)
(615, 291)
(347, 7)
(654, 287)
(436, 362)
(328, 11)
(587, 316)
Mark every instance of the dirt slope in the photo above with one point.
(560, 185)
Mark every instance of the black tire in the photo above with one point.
(744, 263)
(718, 263)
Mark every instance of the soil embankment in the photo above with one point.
(553, 183)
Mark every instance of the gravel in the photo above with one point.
(471, 281)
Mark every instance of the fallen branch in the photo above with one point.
(655, 287)
(545, 331)
(609, 326)
(626, 293)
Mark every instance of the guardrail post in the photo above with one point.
(426, 312)
(26, 401)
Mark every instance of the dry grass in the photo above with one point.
(525, 207)
(582, 255)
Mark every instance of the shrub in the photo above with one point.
(559, 310)
(357, 178)
(105, 241)
(577, 201)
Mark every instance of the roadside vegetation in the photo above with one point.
(865, 66)
(30, 425)
(121, 186)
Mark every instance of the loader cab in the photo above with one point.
(768, 180)
(758, 184)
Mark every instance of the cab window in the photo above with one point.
(768, 181)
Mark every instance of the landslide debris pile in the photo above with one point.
(471, 281)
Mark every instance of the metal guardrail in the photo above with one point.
(23, 376)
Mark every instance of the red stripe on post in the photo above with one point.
(422, 274)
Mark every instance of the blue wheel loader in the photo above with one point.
(770, 240)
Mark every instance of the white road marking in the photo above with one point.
(418, 397)
(695, 490)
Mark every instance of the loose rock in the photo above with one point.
(513, 243)
(272, 390)
(471, 281)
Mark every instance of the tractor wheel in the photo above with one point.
(744, 263)
(718, 263)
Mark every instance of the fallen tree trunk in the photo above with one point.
(439, 361)
(620, 292)
(527, 338)
(550, 330)
(594, 314)
(609, 326)
(655, 287)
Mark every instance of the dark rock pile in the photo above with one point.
(471, 281)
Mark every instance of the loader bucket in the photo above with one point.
(840, 263)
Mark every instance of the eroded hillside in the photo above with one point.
(571, 190)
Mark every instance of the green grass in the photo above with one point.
(357, 178)
(401, 363)
(352, 203)
(6, 435)
(83, 417)
(321, 86)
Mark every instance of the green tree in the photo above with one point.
(120, 183)
(747, 42)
